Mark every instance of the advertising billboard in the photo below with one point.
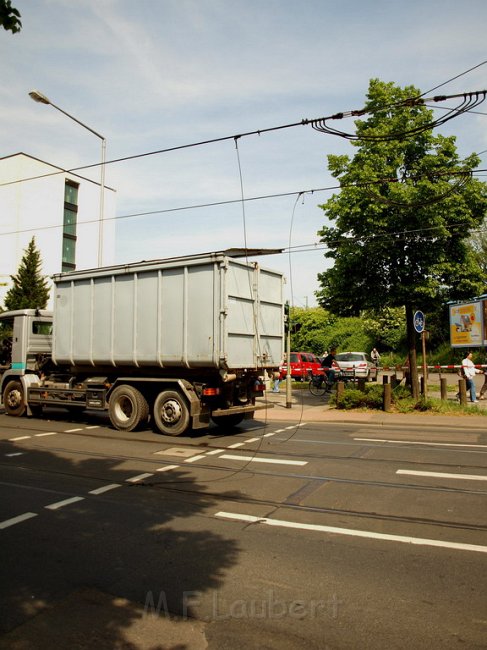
(467, 324)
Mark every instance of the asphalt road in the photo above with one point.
(280, 534)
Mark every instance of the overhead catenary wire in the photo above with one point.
(470, 100)
(262, 197)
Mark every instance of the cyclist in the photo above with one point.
(327, 365)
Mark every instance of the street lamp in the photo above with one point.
(42, 99)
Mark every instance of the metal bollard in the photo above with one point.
(361, 384)
(443, 387)
(386, 401)
(385, 379)
(340, 389)
(462, 391)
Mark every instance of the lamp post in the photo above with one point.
(42, 99)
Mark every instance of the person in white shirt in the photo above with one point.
(469, 371)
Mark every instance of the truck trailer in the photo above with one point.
(173, 343)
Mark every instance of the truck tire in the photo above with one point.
(127, 408)
(13, 399)
(171, 413)
(229, 420)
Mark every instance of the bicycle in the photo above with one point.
(320, 384)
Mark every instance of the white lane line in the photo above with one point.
(467, 477)
(167, 468)
(42, 435)
(17, 520)
(140, 477)
(353, 533)
(416, 442)
(61, 504)
(264, 460)
(18, 453)
(95, 426)
(252, 439)
(19, 438)
(235, 446)
(281, 430)
(194, 458)
(105, 488)
(214, 452)
(72, 430)
(268, 435)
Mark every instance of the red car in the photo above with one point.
(303, 364)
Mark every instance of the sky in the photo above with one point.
(150, 75)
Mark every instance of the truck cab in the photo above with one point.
(25, 349)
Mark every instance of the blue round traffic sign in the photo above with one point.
(419, 321)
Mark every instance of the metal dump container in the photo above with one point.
(200, 311)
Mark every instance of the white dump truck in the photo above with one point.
(173, 342)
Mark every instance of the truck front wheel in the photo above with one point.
(171, 414)
(127, 408)
(13, 399)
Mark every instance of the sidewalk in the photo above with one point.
(309, 408)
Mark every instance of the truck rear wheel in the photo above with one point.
(171, 413)
(127, 408)
(13, 399)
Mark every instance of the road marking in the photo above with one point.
(140, 477)
(18, 453)
(353, 533)
(95, 426)
(264, 460)
(416, 442)
(268, 435)
(195, 458)
(19, 438)
(17, 520)
(166, 468)
(72, 430)
(253, 439)
(214, 452)
(467, 477)
(234, 446)
(105, 488)
(61, 504)
(41, 435)
(281, 430)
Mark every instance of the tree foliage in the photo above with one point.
(30, 289)
(318, 330)
(403, 215)
(9, 17)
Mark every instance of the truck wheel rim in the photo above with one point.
(124, 409)
(14, 398)
(171, 411)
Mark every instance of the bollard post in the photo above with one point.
(423, 384)
(462, 391)
(443, 387)
(361, 384)
(386, 401)
(385, 379)
(340, 388)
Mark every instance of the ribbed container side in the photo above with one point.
(194, 313)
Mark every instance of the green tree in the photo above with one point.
(9, 17)
(403, 215)
(30, 289)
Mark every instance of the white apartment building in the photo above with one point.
(60, 209)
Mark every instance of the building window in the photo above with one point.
(69, 225)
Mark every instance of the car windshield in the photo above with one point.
(350, 356)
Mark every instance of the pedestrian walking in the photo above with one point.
(469, 371)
